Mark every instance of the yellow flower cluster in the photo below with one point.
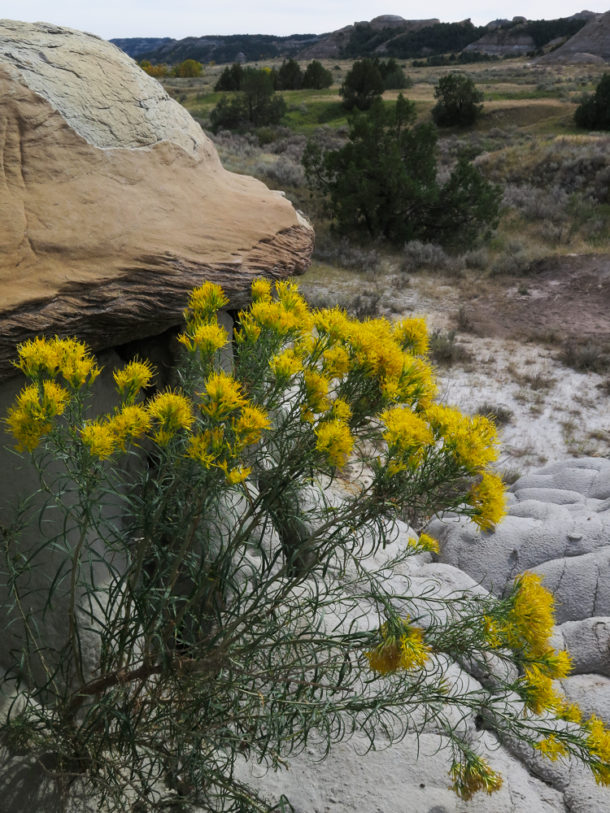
(472, 776)
(335, 362)
(222, 396)
(288, 316)
(249, 426)
(129, 423)
(473, 440)
(380, 352)
(236, 424)
(316, 393)
(286, 364)
(527, 628)
(407, 436)
(424, 544)
(412, 335)
(261, 290)
(598, 742)
(488, 499)
(206, 337)
(204, 302)
(132, 378)
(530, 620)
(31, 418)
(335, 441)
(537, 690)
(170, 412)
(99, 438)
(402, 647)
(551, 747)
(66, 357)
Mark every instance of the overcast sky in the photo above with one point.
(158, 18)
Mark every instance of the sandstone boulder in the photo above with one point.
(113, 201)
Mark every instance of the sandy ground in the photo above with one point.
(511, 331)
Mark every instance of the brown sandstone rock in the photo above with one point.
(113, 202)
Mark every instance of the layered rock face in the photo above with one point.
(113, 202)
(590, 44)
(558, 526)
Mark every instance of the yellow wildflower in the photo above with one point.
(205, 447)
(405, 431)
(37, 356)
(332, 322)
(473, 441)
(569, 712)
(551, 747)
(289, 316)
(412, 335)
(375, 350)
(131, 422)
(133, 377)
(316, 390)
(537, 690)
(335, 362)
(557, 664)
(250, 424)
(401, 648)
(340, 410)
(248, 331)
(75, 362)
(488, 499)
(32, 415)
(170, 412)
(286, 364)
(416, 383)
(223, 395)
(473, 775)
(99, 438)
(205, 301)
(289, 296)
(530, 619)
(335, 441)
(598, 743)
(207, 337)
(492, 631)
(261, 289)
(425, 543)
(236, 475)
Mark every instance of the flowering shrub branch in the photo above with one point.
(215, 562)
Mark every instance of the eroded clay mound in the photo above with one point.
(113, 202)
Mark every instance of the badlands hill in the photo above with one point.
(388, 35)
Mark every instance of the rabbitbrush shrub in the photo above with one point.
(240, 611)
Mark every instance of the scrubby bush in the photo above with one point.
(289, 75)
(362, 84)
(190, 68)
(230, 78)
(154, 70)
(316, 76)
(255, 105)
(594, 112)
(384, 181)
(458, 101)
(221, 596)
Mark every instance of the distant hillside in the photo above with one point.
(590, 44)
(388, 35)
(135, 47)
(233, 48)
(520, 36)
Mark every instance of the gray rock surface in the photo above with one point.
(558, 526)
